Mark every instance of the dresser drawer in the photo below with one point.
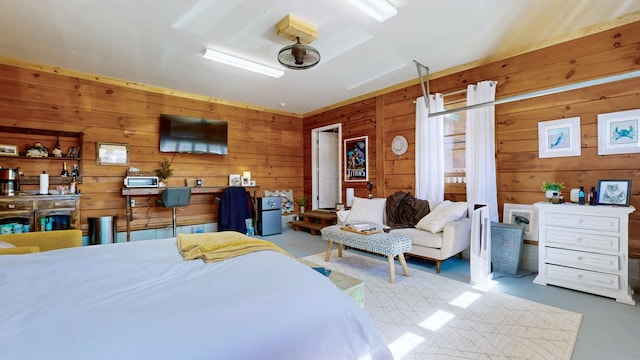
(16, 205)
(585, 222)
(55, 204)
(581, 240)
(582, 260)
(581, 279)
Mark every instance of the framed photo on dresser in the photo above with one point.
(614, 192)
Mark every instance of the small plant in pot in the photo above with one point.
(164, 171)
(302, 202)
(550, 187)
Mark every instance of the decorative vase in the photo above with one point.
(549, 194)
(301, 208)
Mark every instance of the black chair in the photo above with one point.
(174, 197)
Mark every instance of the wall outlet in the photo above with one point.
(198, 229)
(133, 203)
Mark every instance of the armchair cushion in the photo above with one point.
(442, 215)
(367, 210)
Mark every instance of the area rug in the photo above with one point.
(428, 316)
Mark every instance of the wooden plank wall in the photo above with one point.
(519, 170)
(267, 144)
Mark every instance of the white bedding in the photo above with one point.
(140, 300)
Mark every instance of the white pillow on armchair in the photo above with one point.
(442, 215)
(365, 211)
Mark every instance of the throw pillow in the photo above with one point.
(6, 245)
(367, 210)
(445, 213)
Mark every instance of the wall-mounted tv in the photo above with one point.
(185, 134)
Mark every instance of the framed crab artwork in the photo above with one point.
(618, 132)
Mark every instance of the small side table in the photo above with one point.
(350, 285)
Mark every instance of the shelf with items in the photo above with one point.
(32, 166)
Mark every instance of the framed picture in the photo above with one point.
(559, 138)
(234, 180)
(246, 181)
(356, 159)
(74, 152)
(614, 192)
(112, 154)
(618, 132)
(8, 150)
(526, 215)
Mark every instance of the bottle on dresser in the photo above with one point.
(581, 196)
(593, 196)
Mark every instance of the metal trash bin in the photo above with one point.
(506, 247)
(102, 230)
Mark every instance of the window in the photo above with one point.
(455, 143)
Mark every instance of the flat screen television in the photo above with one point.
(185, 134)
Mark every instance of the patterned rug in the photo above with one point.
(427, 316)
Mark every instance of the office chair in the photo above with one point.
(174, 197)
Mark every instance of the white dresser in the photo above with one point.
(585, 248)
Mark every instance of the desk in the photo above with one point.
(129, 192)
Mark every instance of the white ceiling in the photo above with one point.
(161, 42)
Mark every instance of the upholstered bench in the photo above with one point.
(381, 243)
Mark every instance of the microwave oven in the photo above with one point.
(141, 181)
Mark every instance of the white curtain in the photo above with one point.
(430, 150)
(480, 149)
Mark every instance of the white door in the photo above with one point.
(328, 169)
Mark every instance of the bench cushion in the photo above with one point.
(380, 243)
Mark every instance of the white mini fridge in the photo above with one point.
(269, 215)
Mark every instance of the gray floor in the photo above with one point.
(609, 330)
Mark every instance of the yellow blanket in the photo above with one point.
(223, 245)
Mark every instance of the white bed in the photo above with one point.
(141, 300)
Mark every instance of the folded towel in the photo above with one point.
(223, 245)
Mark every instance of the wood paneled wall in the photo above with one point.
(265, 143)
(519, 170)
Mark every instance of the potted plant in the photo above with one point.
(302, 201)
(550, 187)
(164, 171)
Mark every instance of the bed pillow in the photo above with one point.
(6, 245)
(367, 210)
(445, 213)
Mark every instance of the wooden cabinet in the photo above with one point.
(32, 209)
(585, 248)
(32, 167)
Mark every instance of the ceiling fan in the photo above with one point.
(298, 56)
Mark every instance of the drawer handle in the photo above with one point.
(11, 206)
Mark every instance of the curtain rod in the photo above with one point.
(555, 90)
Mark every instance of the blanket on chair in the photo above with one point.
(404, 210)
(212, 247)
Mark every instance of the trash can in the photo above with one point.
(102, 230)
(506, 247)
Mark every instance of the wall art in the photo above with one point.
(356, 159)
(112, 154)
(618, 132)
(559, 138)
(526, 215)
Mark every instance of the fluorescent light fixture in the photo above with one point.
(241, 63)
(380, 10)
